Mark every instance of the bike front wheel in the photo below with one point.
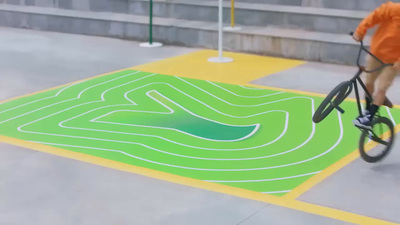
(375, 144)
(332, 101)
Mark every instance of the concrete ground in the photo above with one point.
(38, 188)
(362, 188)
(319, 78)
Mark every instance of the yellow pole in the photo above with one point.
(232, 13)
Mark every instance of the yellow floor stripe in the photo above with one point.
(243, 69)
(284, 202)
(287, 90)
(38, 92)
(305, 93)
(301, 189)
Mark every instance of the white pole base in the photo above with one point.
(152, 45)
(232, 28)
(220, 59)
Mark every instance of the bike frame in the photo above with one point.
(362, 69)
(354, 80)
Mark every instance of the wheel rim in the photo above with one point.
(377, 143)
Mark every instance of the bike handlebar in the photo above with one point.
(362, 47)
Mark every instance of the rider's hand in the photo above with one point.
(396, 66)
(356, 37)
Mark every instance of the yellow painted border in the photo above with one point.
(304, 187)
(63, 85)
(287, 201)
(316, 179)
(270, 199)
(305, 93)
(244, 68)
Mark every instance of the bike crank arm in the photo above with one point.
(337, 107)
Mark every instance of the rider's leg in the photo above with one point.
(370, 79)
(386, 78)
(370, 88)
(364, 121)
(385, 81)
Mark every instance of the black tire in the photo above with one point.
(333, 100)
(380, 125)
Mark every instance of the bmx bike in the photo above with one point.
(382, 132)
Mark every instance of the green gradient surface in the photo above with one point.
(256, 139)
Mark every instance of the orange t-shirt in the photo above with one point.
(386, 40)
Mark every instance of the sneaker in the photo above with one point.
(365, 112)
(363, 121)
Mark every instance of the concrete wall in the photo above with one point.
(364, 5)
(316, 34)
(268, 41)
(122, 6)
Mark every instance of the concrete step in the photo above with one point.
(254, 14)
(122, 6)
(297, 17)
(273, 41)
(361, 5)
(274, 2)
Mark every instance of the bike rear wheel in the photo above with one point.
(374, 145)
(332, 101)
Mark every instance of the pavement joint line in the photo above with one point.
(253, 214)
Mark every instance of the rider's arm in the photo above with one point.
(378, 16)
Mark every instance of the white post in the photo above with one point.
(220, 59)
(220, 32)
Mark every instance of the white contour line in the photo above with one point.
(189, 146)
(85, 89)
(391, 116)
(263, 192)
(204, 169)
(243, 96)
(79, 137)
(262, 180)
(12, 118)
(276, 192)
(171, 111)
(149, 147)
(58, 93)
(220, 112)
(251, 88)
(216, 97)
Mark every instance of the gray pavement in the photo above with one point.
(319, 78)
(273, 214)
(362, 188)
(38, 188)
(43, 189)
(32, 61)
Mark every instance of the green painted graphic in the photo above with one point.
(256, 139)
